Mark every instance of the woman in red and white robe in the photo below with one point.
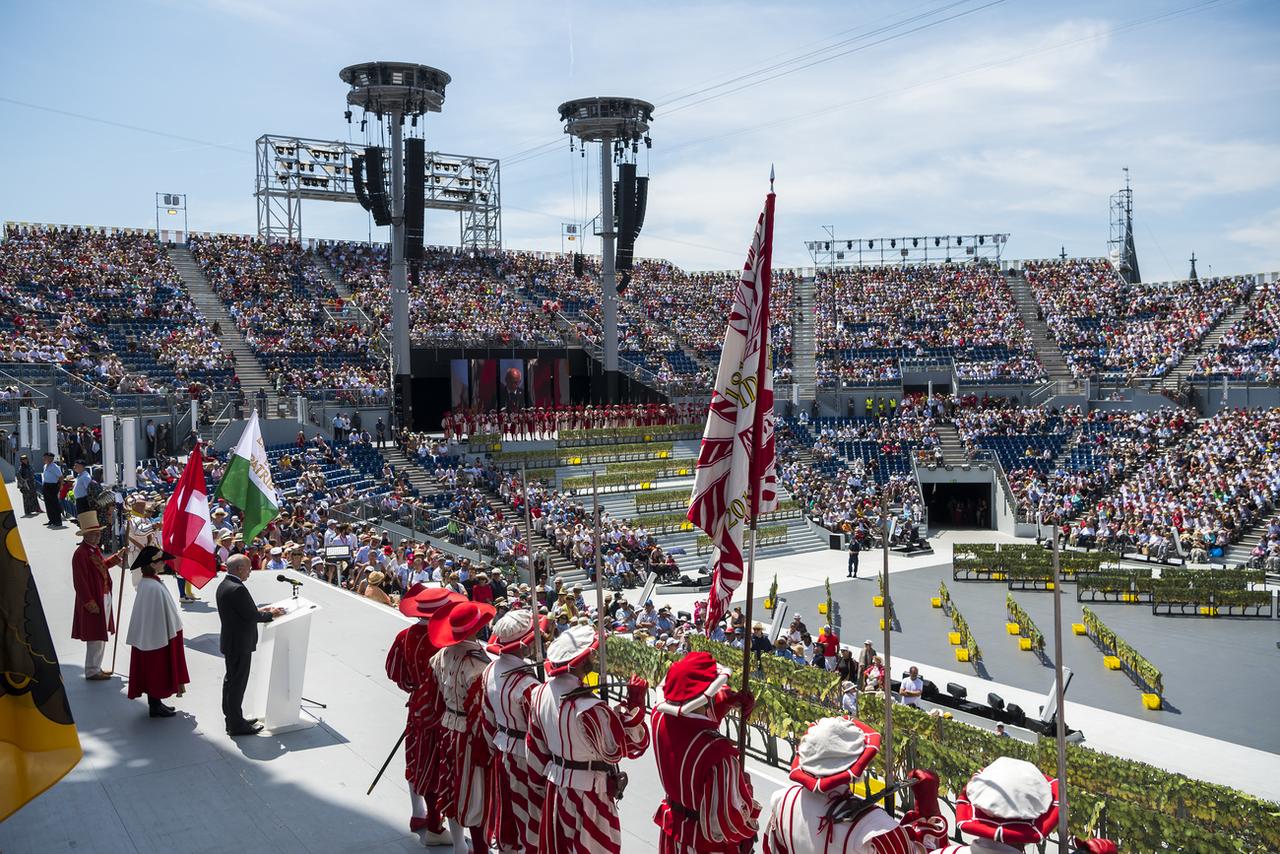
(158, 660)
(579, 739)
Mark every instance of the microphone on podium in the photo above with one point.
(287, 580)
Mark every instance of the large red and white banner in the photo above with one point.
(186, 530)
(736, 479)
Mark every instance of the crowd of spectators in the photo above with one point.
(1111, 444)
(870, 318)
(1112, 329)
(457, 300)
(543, 422)
(108, 306)
(290, 315)
(1206, 489)
(1250, 349)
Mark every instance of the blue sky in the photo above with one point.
(1015, 117)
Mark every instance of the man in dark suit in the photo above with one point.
(240, 618)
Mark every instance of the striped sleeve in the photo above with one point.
(729, 809)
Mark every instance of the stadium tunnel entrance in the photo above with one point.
(954, 504)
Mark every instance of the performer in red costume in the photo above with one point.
(821, 814)
(709, 806)
(464, 753)
(514, 795)
(409, 666)
(94, 616)
(1010, 807)
(580, 740)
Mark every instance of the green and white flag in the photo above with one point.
(247, 483)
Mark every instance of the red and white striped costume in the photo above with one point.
(515, 786)
(578, 814)
(409, 666)
(464, 753)
(797, 826)
(709, 805)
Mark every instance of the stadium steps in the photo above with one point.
(561, 566)
(1238, 554)
(1179, 372)
(417, 474)
(248, 368)
(334, 279)
(953, 453)
(1046, 347)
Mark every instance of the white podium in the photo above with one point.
(274, 693)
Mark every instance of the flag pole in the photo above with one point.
(1060, 718)
(756, 468)
(600, 632)
(115, 645)
(533, 572)
(886, 744)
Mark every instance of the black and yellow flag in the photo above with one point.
(38, 741)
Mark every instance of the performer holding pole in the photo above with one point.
(1061, 716)
(600, 628)
(736, 477)
(886, 617)
(533, 572)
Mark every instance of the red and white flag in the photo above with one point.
(187, 531)
(737, 475)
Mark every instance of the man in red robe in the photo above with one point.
(158, 661)
(92, 620)
(409, 666)
(709, 806)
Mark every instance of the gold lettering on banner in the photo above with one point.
(742, 390)
(259, 465)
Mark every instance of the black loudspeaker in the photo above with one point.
(642, 198)
(1013, 714)
(376, 186)
(996, 702)
(930, 690)
(357, 176)
(415, 164)
(957, 691)
(624, 200)
(578, 265)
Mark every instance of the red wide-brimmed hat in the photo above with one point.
(570, 648)
(691, 683)
(513, 631)
(457, 621)
(1009, 801)
(834, 753)
(422, 595)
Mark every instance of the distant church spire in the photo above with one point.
(1193, 277)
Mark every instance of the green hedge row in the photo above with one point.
(1144, 671)
(611, 435)
(1026, 626)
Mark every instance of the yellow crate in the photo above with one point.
(953, 638)
(646, 485)
(877, 601)
(882, 624)
(1078, 629)
(768, 604)
(495, 447)
(822, 607)
(575, 461)
(1151, 701)
(1111, 662)
(1049, 586)
(682, 472)
(936, 601)
(648, 438)
(1129, 597)
(962, 653)
(1208, 611)
(1012, 628)
(686, 525)
(662, 455)
(998, 576)
(1024, 644)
